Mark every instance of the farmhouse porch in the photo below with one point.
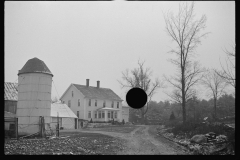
(106, 114)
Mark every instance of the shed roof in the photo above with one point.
(35, 65)
(62, 110)
(10, 91)
(98, 93)
(9, 114)
(105, 108)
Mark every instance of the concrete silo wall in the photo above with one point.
(34, 100)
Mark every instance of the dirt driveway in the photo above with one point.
(143, 141)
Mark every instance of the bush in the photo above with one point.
(192, 128)
(172, 116)
(123, 122)
(91, 121)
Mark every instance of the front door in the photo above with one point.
(111, 114)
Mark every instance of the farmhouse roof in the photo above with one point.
(98, 93)
(35, 65)
(10, 91)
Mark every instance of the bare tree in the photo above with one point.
(216, 85)
(187, 33)
(140, 77)
(54, 99)
(228, 72)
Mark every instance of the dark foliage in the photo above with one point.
(172, 117)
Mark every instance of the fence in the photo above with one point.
(11, 127)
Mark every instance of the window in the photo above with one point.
(95, 114)
(112, 104)
(89, 114)
(89, 103)
(78, 102)
(99, 114)
(115, 114)
(117, 104)
(103, 115)
(108, 114)
(69, 103)
(63, 102)
(78, 114)
(95, 102)
(72, 93)
(104, 104)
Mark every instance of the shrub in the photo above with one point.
(123, 122)
(172, 116)
(91, 121)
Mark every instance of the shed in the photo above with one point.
(10, 97)
(65, 114)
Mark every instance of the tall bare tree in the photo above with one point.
(228, 72)
(187, 34)
(216, 85)
(140, 77)
(55, 99)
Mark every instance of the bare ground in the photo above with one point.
(144, 141)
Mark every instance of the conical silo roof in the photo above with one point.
(35, 65)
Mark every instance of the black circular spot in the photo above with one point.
(136, 98)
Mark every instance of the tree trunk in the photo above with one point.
(183, 97)
(215, 108)
(142, 117)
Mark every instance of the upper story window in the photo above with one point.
(89, 102)
(95, 102)
(63, 102)
(112, 104)
(72, 93)
(117, 104)
(69, 103)
(104, 104)
(78, 102)
(78, 114)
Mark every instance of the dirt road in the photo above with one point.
(144, 141)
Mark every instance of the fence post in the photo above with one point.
(43, 127)
(16, 127)
(40, 126)
(57, 125)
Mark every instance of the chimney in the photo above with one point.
(87, 82)
(98, 84)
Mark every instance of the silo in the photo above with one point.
(34, 96)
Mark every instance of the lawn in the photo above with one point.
(70, 144)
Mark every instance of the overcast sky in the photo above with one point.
(99, 40)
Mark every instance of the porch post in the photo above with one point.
(105, 114)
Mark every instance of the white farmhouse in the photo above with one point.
(96, 103)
